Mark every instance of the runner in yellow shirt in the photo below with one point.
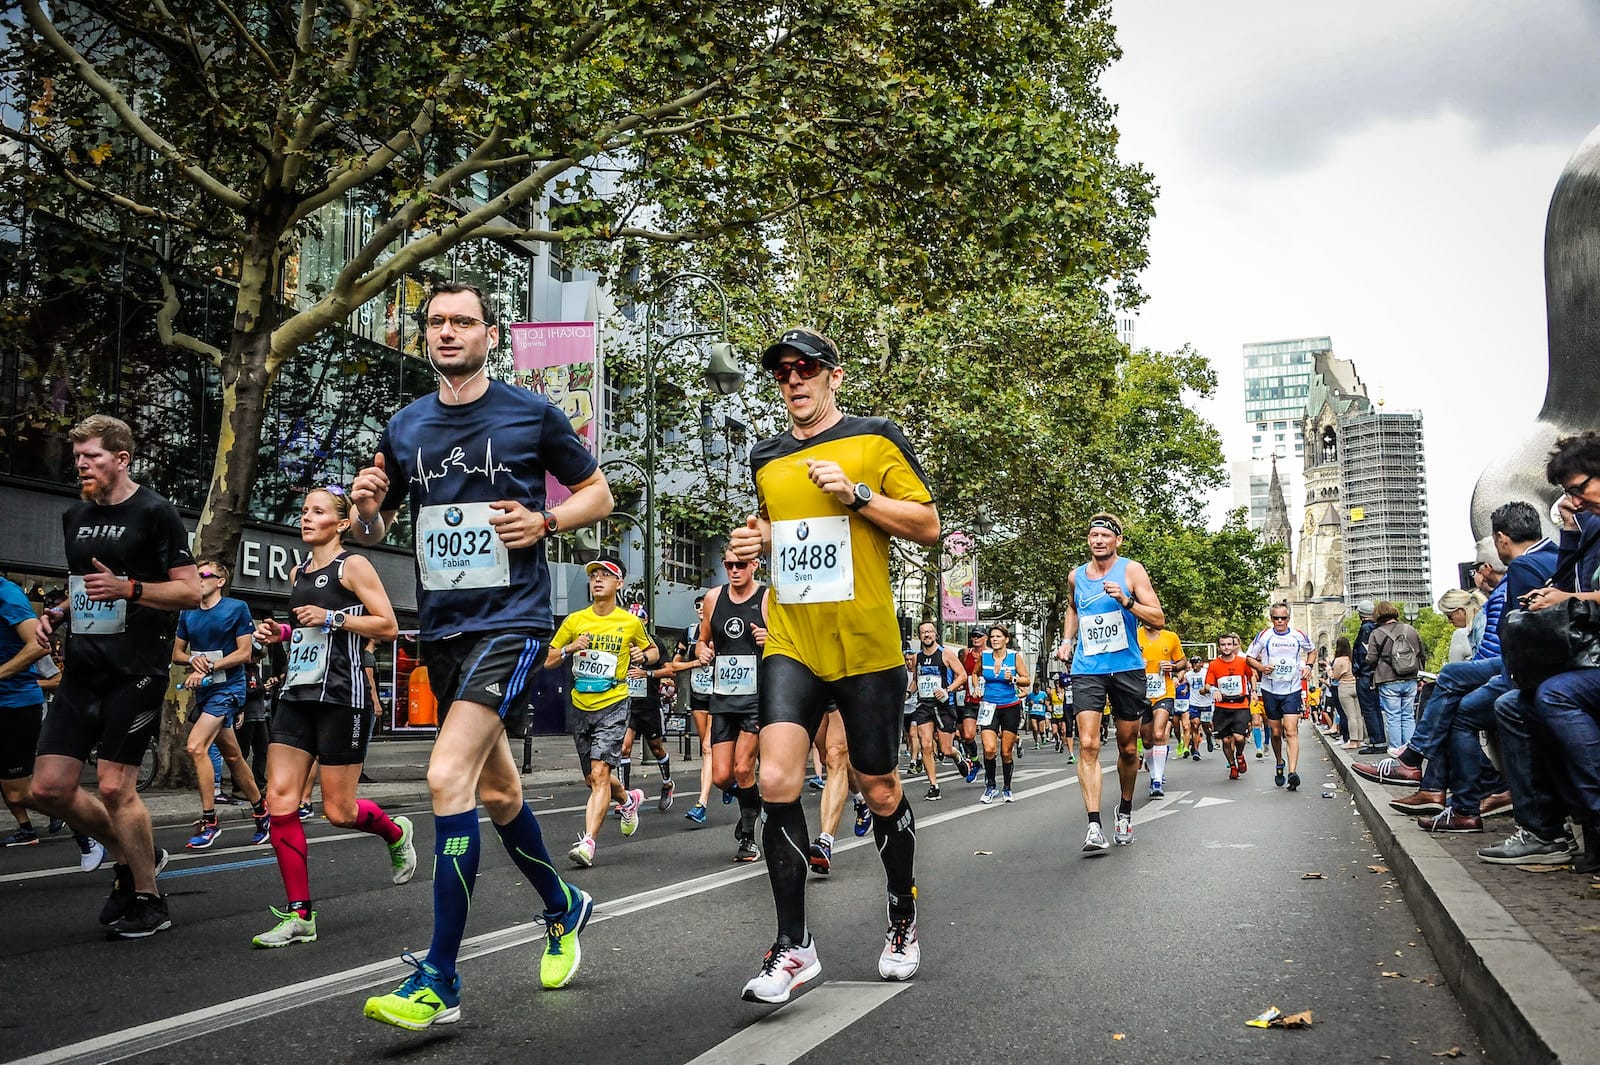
(1163, 654)
(602, 641)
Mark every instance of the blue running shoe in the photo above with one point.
(727, 797)
(863, 818)
(426, 998)
(206, 833)
(816, 783)
(989, 794)
(972, 771)
(697, 813)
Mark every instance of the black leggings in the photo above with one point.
(253, 739)
(870, 705)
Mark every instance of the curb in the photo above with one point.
(1522, 1003)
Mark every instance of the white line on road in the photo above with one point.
(168, 1031)
(786, 1034)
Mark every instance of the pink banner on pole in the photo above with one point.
(958, 580)
(559, 360)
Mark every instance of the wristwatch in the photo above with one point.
(137, 592)
(550, 522)
(337, 619)
(863, 496)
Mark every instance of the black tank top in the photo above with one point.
(933, 666)
(338, 680)
(738, 655)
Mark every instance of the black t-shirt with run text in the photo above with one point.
(141, 538)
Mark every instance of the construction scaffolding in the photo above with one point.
(1385, 508)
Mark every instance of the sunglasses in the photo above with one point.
(1280, 617)
(737, 565)
(209, 576)
(807, 366)
(333, 489)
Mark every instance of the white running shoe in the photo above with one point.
(91, 853)
(582, 852)
(784, 968)
(630, 812)
(403, 853)
(1124, 830)
(1095, 842)
(901, 955)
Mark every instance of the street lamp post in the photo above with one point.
(722, 376)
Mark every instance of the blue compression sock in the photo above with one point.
(455, 870)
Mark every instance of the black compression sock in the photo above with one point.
(896, 837)
(1005, 769)
(988, 772)
(785, 840)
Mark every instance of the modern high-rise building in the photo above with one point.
(1277, 381)
(1385, 504)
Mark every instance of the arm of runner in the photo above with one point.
(905, 518)
(958, 672)
(1140, 595)
(30, 652)
(239, 655)
(379, 620)
(1020, 677)
(705, 650)
(1069, 620)
(751, 540)
(367, 493)
(519, 527)
(180, 591)
(760, 631)
(560, 648)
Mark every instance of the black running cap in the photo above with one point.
(806, 342)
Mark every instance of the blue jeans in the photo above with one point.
(1568, 708)
(1431, 738)
(1399, 701)
(1371, 712)
(1497, 707)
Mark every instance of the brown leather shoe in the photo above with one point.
(1498, 803)
(1420, 802)
(1449, 821)
(1388, 771)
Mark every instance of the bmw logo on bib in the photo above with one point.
(299, 635)
(802, 531)
(453, 516)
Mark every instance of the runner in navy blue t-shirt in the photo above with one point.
(471, 461)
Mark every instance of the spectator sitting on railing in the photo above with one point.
(1565, 711)
(1461, 608)
(1531, 559)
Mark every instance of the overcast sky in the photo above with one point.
(1374, 172)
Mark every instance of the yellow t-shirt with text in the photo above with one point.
(599, 674)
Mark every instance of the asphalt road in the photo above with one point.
(1158, 952)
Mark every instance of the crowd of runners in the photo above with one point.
(805, 666)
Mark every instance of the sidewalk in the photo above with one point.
(399, 771)
(1520, 948)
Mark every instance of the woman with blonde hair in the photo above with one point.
(1460, 607)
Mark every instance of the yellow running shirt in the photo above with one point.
(599, 674)
(837, 620)
(1163, 646)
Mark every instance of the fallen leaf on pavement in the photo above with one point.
(1398, 954)
(1313, 876)
(1377, 868)
(1453, 1052)
(1541, 868)
(1392, 976)
(1294, 1020)
(1118, 1036)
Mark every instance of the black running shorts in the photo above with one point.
(19, 739)
(1125, 690)
(1234, 720)
(644, 717)
(338, 735)
(870, 705)
(118, 713)
(726, 728)
(1006, 719)
(491, 669)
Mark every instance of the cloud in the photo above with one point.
(1270, 87)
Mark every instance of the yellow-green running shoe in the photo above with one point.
(561, 951)
(425, 999)
(291, 928)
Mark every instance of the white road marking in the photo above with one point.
(168, 1031)
(1209, 801)
(802, 1025)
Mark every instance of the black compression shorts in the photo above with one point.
(870, 705)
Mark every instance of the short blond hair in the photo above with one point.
(113, 433)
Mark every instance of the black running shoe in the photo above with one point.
(145, 917)
(121, 897)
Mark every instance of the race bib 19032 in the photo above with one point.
(458, 548)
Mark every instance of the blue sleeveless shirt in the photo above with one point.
(1108, 640)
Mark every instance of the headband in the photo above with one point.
(1109, 524)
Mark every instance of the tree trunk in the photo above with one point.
(245, 379)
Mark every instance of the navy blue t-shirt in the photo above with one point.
(22, 689)
(218, 629)
(443, 459)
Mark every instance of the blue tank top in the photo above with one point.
(1108, 639)
(996, 689)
